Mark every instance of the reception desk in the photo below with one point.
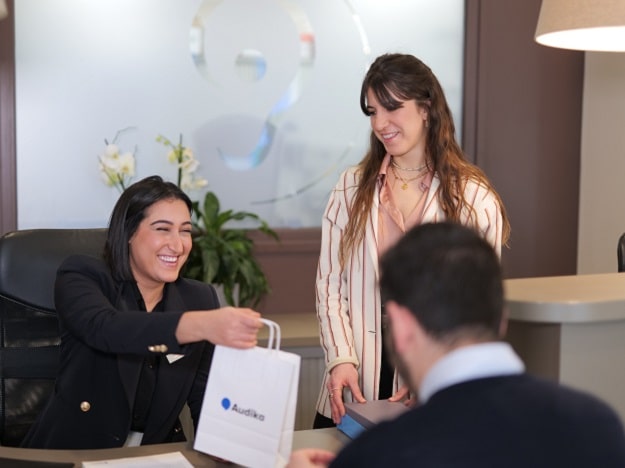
(567, 328)
(329, 439)
(572, 329)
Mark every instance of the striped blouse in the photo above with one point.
(348, 297)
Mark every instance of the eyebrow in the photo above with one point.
(165, 221)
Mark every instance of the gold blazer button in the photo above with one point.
(161, 348)
(85, 406)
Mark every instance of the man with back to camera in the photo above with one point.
(443, 291)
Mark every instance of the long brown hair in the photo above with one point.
(400, 76)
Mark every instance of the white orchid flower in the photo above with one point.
(199, 183)
(106, 175)
(172, 156)
(187, 154)
(186, 182)
(116, 169)
(189, 165)
(127, 164)
(111, 151)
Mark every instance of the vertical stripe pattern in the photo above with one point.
(348, 298)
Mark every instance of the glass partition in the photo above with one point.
(265, 92)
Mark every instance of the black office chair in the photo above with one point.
(620, 253)
(29, 335)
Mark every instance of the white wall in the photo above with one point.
(602, 184)
(85, 70)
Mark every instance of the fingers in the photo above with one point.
(411, 402)
(357, 393)
(246, 317)
(249, 317)
(337, 407)
(320, 457)
(243, 325)
(342, 376)
(400, 394)
(305, 458)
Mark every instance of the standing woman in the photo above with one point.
(136, 338)
(414, 172)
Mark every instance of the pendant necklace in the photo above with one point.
(405, 182)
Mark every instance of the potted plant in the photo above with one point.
(221, 254)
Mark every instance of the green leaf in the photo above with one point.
(211, 263)
(211, 209)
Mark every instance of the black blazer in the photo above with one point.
(105, 336)
(514, 421)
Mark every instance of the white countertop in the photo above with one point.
(567, 299)
(297, 329)
(549, 299)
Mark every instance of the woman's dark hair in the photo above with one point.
(128, 213)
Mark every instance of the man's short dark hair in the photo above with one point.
(449, 277)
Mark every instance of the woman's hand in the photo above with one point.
(402, 393)
(228, 326)
(341, 376)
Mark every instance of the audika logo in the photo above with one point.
(249, 412)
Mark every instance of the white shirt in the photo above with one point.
(470, 363)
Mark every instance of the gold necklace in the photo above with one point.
(410, 169)
(405, 182)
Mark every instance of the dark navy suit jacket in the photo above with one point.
(105, 336)
(508, 421)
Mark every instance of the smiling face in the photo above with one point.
(161, 244)
(402, 130)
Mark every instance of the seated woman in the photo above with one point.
(136, 338)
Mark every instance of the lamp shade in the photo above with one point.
(597, 25)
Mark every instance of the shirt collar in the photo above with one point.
(384, 168)
(469, 363)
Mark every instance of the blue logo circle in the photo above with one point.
(225, 403)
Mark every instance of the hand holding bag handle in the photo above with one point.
(274, 332)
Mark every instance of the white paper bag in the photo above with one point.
(248, 412)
